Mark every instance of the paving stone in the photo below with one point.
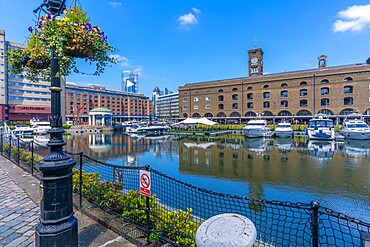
(17, 242)
(24, 229)
(9, 238)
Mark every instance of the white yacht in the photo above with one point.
(284, 130)
(320, 127)
(256, 129)
(40, 127)
(355, 128)
(22, 130)
(321, 149)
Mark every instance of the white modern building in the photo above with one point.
(167, 106)
(129, 82)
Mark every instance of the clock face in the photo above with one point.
(254, 60)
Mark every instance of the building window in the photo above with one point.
(195, 99)
(196, 93)
(250, 96)
(208, 106)
(220, 98)
(208, 98)
(184, 107)
(208, 91)
(185, 100)
(303, 103)
(249, 88)
(284, 104)
(284, 85)
(235, 97)
(348, 79)
(266, 86)
(235, 89)
(221, 106)
(185, 94)
(325, 81)
(348, 101)
(324, 102)
(266, 95)
(235, 106)
(325, 91)
(284, 94)
(303, 93)
(266, 104)
(250, 105)
(254, 69)
(221, 91)
(348, 89)
(303, 83)
(195, 107)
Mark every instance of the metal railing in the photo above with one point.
(175, 209)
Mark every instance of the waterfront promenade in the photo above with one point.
(19, 213)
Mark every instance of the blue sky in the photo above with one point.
(173, 42)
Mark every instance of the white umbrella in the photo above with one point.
(196, 121)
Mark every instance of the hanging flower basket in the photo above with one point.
(68, 37)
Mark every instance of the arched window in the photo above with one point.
(303, 83)
(185, 93)
(249, 88)
(250, 96)
(266, 104)
(196, 115)
(348, 101)
(325, 102)
(324, 91)
(208, 91)
(185, 115)
(266, 86)
(303, 103)
(266, 95)
(221, 91)
(250, 105)
(326, 112)
(284, 85)
(208, 115)
(284, 94)
(284, 113)
(221, 114)
(348, 79)
(348, 89)
(304, 113)
(325, 81)
(266, 113)
(235, 89)
(284, 104)
(250, 114)
(303, 93)
(235, 114)
(347, 111)
(195, 92)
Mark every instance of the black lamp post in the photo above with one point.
(58, 226)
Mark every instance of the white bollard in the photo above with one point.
(225, 230)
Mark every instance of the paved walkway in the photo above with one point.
(19, 213)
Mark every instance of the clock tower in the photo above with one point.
(255, 61)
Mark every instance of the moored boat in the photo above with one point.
(22, 131)
(320, 127)
(256, 129)
(355, 128)
(284, 129)
(40, 127)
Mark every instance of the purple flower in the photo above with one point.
(30, 29)
(44, 40)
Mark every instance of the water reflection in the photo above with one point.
(336, 174)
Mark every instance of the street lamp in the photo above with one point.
(58, 226)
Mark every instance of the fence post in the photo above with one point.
(147, 167)
(81, 154)
(18, 150)
(315, 223)
(32, 158)
(1, 141)
(10, 146)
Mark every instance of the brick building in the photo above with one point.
(335, 91)
(80, 100)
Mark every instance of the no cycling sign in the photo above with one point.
(145, 183)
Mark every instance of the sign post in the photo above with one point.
(145, 183)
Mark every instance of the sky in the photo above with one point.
(173, 42)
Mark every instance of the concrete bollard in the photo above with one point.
(226, 230)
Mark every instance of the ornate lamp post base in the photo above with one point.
(60, 234)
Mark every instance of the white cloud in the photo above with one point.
(186, 20)
(115, 4)
(196, 11)
(355, 18)
(121, 59)
(139, 70)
